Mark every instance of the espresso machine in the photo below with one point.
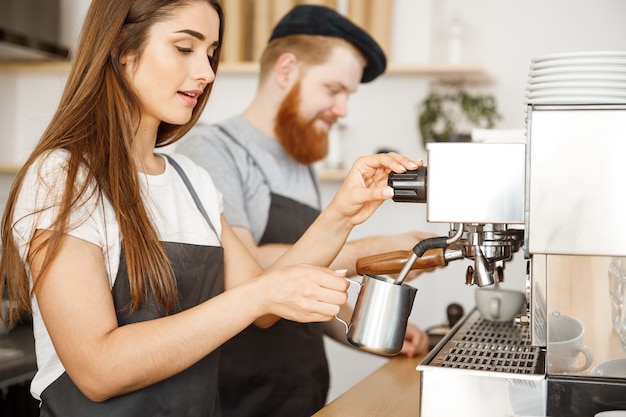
(558, 198)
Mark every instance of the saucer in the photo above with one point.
(615, 368)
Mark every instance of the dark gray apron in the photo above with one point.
(199, 272)
(281, 371)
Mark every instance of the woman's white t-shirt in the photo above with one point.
(168, 201)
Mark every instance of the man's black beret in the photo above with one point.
(320, 20)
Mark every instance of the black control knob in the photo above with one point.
(409, 187)
(455, 313)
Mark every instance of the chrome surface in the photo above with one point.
(576, 173)
(560, 193)
(537, 281)
(380, 316)
(476, 183)
(486, 346)
(484, 369)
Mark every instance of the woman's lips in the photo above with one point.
(190, 97)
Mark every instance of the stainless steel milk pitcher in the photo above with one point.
(381, 314)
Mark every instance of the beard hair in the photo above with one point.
(299, 137)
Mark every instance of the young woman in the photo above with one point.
(122, 255)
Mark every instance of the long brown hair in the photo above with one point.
(95, 122)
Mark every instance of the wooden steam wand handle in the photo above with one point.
(393, 262)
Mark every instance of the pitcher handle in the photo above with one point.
(350, 281)
(337, 316)
(344, 323)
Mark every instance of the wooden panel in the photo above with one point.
(261, 26)
(235, 36)
(358, 12)
(250, 23)
(379, 22)
(280, 8)
(328, 3)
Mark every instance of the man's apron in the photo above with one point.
(199, 272)
(281, 371)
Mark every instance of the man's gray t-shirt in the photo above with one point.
(247, 166)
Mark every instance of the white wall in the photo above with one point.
(501, 35)
(505, 36)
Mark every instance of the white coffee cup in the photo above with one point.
(565, 344)
(498, 304)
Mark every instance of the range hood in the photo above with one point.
(30, 31)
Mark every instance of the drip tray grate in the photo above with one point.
(483, 345)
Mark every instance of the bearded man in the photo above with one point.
(314, 61)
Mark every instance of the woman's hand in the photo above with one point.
(365, 187)
(301, 293)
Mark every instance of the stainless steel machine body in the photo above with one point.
(560, 197)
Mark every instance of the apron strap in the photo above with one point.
(193, 193)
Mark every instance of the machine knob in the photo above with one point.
(409, 186)
(455, 313)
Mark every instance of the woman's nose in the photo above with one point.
(205, 73)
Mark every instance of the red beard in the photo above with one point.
(298, 136)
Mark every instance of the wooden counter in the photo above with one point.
(392, 390)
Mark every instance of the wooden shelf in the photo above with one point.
(443, 71)
(64, 66)
(468, 72)
(9, 169)
(35, 66)
(437, 71)
(326, 174)
(323, 174)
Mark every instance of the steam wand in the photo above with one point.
(422, 246)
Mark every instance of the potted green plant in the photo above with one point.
(449, 112)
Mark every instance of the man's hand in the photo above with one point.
(415, 342)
